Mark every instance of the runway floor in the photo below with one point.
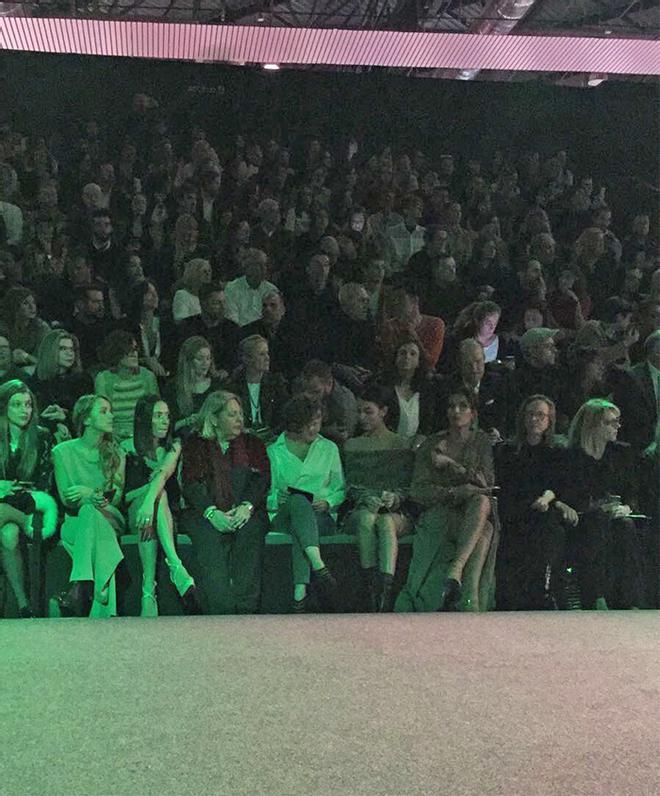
(529, 704)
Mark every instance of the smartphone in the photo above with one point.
(307, 495)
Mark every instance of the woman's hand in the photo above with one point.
(619, 511)
(321, 506)
(145, 521)
(222, 521)
(240, 515)
(54, 412)
(22, 357)
(371, 503)
(542, 503)
(8, 488)
(466, 491)
(568, 514)
(62, 433)
(83, 494)
(390, 500)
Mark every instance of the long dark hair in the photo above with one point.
(143, 438)
(420, 376)
(28, 445)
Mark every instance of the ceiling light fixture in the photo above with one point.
(271, 67)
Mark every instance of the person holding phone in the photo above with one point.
(307, 488)
(25, 477)
(90, 474)
(455, 542)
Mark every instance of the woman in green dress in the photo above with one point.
(89, 473)
(377, 467)
(455, 542)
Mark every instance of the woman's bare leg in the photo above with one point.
(12, 562)
(365, 530)
(473, 599)
(477, 511)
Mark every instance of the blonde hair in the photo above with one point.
(48, 354)
(248, 344)
(214, 404)
(586, 243)
(185, 381)
(587, 420)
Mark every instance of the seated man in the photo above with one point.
(537, 371)
(243, 296)
(613, 334)
(404, 239)
(407, 321)
(276, 327)
(421, 265)
(489, 387)
(340, 414)
(445, 296)
(351, 343)
(222, 334)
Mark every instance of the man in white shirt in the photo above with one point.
(243, 296)
(405, 239)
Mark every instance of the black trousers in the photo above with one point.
(528, 560)
(608, 555)
(228, 565)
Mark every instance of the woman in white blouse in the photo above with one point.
(186, 300)
(307, 488)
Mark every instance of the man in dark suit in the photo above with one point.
(638, 394)
(490, 388)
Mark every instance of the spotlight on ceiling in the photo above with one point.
(261, 17)
(271, 67)
(595, 79)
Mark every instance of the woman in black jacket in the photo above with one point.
(528, 470)
(225, 479)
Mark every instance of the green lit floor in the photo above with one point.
(529, 704)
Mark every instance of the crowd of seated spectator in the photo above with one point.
(219, 338)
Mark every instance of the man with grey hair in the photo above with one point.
(244, 296)
(270, 236)
(537, 370)
(351, 343)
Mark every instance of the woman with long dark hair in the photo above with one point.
(22, 325)
(90, 474)
(151, 491)
(377, 467)
(455, 542)
(25, 478)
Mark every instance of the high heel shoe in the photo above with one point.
(451, 595)
(149, 607)
(180, 577)
(327, 589)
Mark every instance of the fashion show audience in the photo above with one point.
(204, 340)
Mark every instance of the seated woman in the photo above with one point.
(225, 478)
(89, 473)
(533, 518)
(58, 381)
(307, 488)
(125, 382)
(478, 320)
(378, 467)
(196, 378)
(145, 323)
(151, 489)
(185, 303)
(22, 325)
(600, 483)
(408, 375)
(265, 393)
(455, 544)
(25, 477)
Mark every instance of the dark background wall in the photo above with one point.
(612, 131)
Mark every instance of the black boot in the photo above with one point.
(370, 579)
(385, 595)
(327, 589)
(74, 601)
(451, 595)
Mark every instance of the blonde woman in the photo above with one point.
(225, 478)
(601, 478)
(186, 299)
(90, 476)
(59, 380)
(196, 377)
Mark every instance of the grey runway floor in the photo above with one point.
(529, 704)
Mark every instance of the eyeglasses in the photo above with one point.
(615, 422)
(537, 415)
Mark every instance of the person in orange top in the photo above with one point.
(405, 319)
